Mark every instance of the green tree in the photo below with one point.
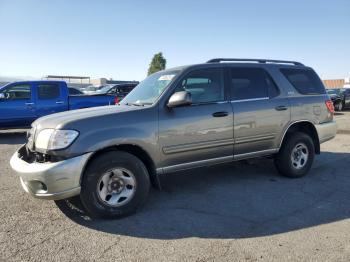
(158, 63)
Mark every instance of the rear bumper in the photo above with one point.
(53, 181)
(326, 131)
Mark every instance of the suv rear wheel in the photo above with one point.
(296, 155)
(115, 184)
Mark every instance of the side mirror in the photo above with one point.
(182, 98)
(2, 96)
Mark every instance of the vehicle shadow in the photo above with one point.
(13, 137)
(237, 200)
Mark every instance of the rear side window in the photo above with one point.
(305, 81)
(252, 83)
(48, 91)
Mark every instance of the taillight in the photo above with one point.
(116, 100)
(330, 106)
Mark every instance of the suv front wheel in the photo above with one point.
(114, 185)
(296, 155)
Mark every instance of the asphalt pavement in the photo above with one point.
(242, 211)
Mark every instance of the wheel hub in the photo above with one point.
(115, 186)
(300, 155)
(297, 155)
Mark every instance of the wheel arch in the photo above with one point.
(306, 127)
(135, 150)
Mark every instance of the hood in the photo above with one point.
(62, 119)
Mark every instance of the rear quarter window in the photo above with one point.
(305, 81)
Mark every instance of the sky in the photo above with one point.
(117, 39)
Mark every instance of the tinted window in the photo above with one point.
(272, 87)
(48, 91)
(305, 81)
(125, 89)
(250, 83)
(205, 85)
(74, 91)
(17, 92)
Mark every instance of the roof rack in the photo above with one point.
(262, 61)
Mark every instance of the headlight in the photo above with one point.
(51, 139)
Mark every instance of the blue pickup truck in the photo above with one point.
(23, 102)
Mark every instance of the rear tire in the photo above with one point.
(296, 155)
(339, 106)
(114, 185)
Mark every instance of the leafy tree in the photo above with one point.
(158, 63)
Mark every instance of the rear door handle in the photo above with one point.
(59, 102)
(281, 108)
(220, 114)
(29, 104)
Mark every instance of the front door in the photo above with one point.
(200, 133)
(17, 108)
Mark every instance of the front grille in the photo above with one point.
(26, 155)
(30, 156)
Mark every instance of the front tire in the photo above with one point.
(114, 185)
(296, 155)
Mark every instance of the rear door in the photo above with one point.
(18, 107)
(260, 111)
(202, 132)
(51, 98)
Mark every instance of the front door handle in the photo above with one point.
(220, 114)
(59, 102)
(29, 104)
(281, 108)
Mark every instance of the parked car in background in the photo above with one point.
(118, 90)
(74, 91)
(91, 89)
(177, 119)
(340, 97)
(23, 102)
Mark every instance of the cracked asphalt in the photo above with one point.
(242, 211)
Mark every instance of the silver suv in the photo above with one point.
(185, 117)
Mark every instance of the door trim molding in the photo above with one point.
(196, 146)
(256, 138)
(250, 99)
(214, 161)
(256, 154)
(190, 165)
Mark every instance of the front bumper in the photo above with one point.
(326, 131)
(51, 180)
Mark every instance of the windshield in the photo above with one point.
(91, 88)
(104, 89)
(148, 91)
